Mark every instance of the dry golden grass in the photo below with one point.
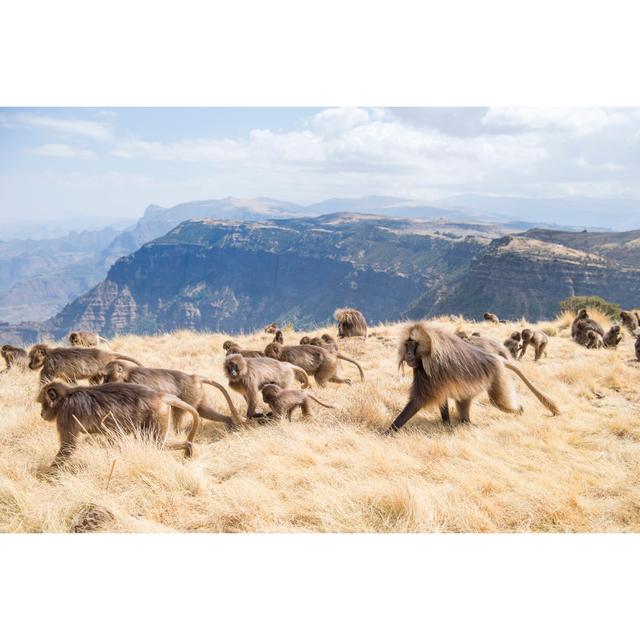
(579, 471)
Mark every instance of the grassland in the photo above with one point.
(579, 471)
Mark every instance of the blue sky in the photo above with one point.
(111, 163)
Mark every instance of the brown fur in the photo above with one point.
(578, 330)
(613, 337)
(325, 341)
(487, 344)
(630, 321)
(14, 357)
(512, 343)
(351, 323)
(278, 337)
(637, 348)
(71, 364)
(594, 340)
(271, 328)
(233, 347)
(538, 339)
(248, 376)
(319, 362)
(283, 401)
(111, 409)
(86, 339)
(188, 387)
(445, 366)
(491, 317)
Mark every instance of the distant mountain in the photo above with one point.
(604, 213)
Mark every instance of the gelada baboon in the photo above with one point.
(187, 387)
(71, 364)
(351, 323)
(325, 340)
(491, 317)
(248, 375)
(112, 409)
(278, 337)
(613, 337)
(594, 340)
(284, 401)
(444, 366)
(587, 323)
(14, 357)
(233, 347)
(319, 362)
(637, 347)
(538, 339)
(512, 343)
(630, 321)
(86, 339)
(271, 328)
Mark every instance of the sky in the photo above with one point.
(112, 163)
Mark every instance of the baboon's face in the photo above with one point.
(73, 339)
(234, 366)
(527, 335)
(615, 328)
(272, 351)
(49, 399)
(305, 340)
(37, 356)
(326, 337)
(114, 372)
(410, 354)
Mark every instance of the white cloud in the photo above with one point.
(62, 126)
(61, 150)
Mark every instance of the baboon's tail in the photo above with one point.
(341, 357)
(328, 406)
(120, 356)
(301, 376)
(236, 417)
(174, 401)
(545, 400)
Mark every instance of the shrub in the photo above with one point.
(573, 303)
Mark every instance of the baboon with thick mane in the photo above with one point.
(86, 339)
(233, 347)
(187, 387)
(613, 337)
(112, 409)
(71, 364)
(351, 323)
(630, 321)
(284, 401)
(248, 376)
(445, 366)
(319, 362)
(538, 339)
(14, 357)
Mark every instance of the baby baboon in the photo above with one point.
(305, 340)
(613, 337)
(316, 361)
(71, 364)
(271, 328)
(512, 343)
(248, 376)
(86, 339)
(14, 357)
(491, 317)
(594, 340)
(185, 386)
(581, 324)
(538, 339)
(630, 321)
(637, 347)
(278, 337)
(233, 347)
(111, 409)
(444, 366)
(329, 342)
(351, 322)
(284, 401)
(488, 344)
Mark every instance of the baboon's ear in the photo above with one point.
(52, 394)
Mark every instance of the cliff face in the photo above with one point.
(524, 276)
(222, 276)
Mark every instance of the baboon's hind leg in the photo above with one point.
(503, 394)
(464, 409)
